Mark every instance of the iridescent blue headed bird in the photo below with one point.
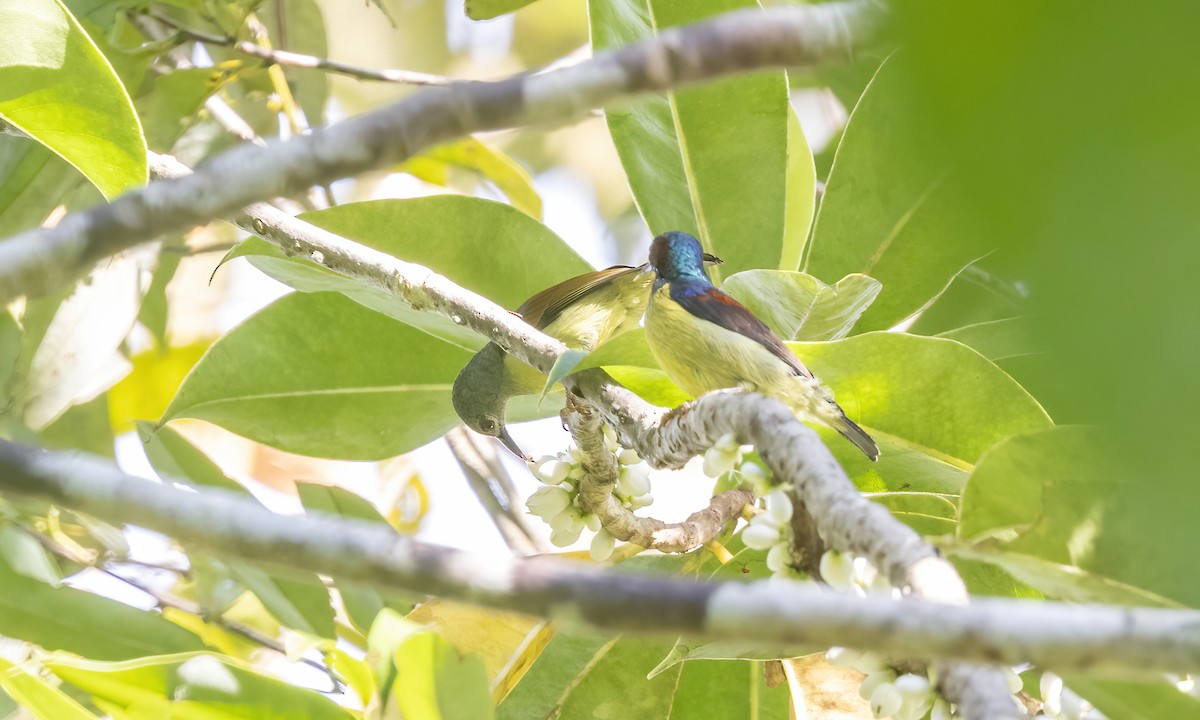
(583, 312)
(705, 340)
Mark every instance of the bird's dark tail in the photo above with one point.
(859, 437)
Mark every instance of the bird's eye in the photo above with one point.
(487, 425)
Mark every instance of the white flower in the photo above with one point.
(1050, 688)
(570, 518)
(551, 470)
(837, 569)
(886, 700)
(940, 711)
(777, 558)
(610, 437)
(912, 684)
(641, 501)
(870, 663)
(629, 456)
(548, 501)
(1014, 680)
(760, 534)
(602, 545)
(754, 476)
(566, 536)
(779, 506)
(874, 679)
(717, 462)
(633, 481)
(592, 521)
(842, 657)
(864, 573)
(1073, 706)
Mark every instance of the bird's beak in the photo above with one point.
(713, 259)
(511, 444)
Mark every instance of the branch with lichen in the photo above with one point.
(45, 259)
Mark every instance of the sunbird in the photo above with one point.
(583, 312)
(705, 340)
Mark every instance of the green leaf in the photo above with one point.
(1054, 500)
(488, 9)
(58, 88)
(79, 356)
(563, 366)
(1119, 700)
(298, 26)
(935, 406)
(172, 101)
(721, 161)
(996, 340)
(193, 686)
(82, 427)
(488, 247)
(885, 213)
(433, 682)
(319, 375)
(154, 311)
(434, 166)
(63, 618)
(799, 306)
(33, 181)
(298, 600)
(362, 603)
(27, 557)
(38, 696)
(930, 514)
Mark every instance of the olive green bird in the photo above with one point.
(582, 312)
(705, 340)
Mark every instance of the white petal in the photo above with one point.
(633, 481)
(565, 536)
(629, 456)
(592, 521)
(778, 557)
(779, 505)
(1014, 680)
(837, 569)
(551, 470)
(760, 536)
(569, 519)
(548, 501)
(1050, 688)
(940, 711)
(727, 442)
(717, 462)
(886, 700)
(871, 663)
(602, 545)
(912, 684)
(641, 501)
(842, 657)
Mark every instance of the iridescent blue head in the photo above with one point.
(676, 255)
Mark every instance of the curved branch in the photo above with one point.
(599, 479)
(1056, 636)
(42, 260)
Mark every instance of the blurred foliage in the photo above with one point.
(1013, 197)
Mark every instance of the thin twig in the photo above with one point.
(169, 600)
(300, 60)
(501, 510)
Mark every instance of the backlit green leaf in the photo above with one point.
(58, 88)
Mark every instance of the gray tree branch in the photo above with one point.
(1055, 636)
(41, 260)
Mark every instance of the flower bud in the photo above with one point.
(548, 501)
(551, 470)
(842, 657)
(641, 501)
(886, 701)
(565, 536)
(864, 573)
(1073, 706)
(1050, 688)
(570, 519)
(1014, 680)
(912, 684)
(727, 442)
(940, 711)
(760, 536)
(592, 522)
(629, 456)
(717, 462)
(779, 506)
(837, 569)
(874, 680)
(870, 663)
(602, 545)
(778, 557)
(633, 481)
(610, 437)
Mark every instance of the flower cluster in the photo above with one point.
(768, 531)
(557, 502)
(1060, 702)
(849, 573)
(723, 456)
(907, 696)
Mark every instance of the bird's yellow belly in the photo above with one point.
(701, 356)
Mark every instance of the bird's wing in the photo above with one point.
(709, 303)
(541, 309)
